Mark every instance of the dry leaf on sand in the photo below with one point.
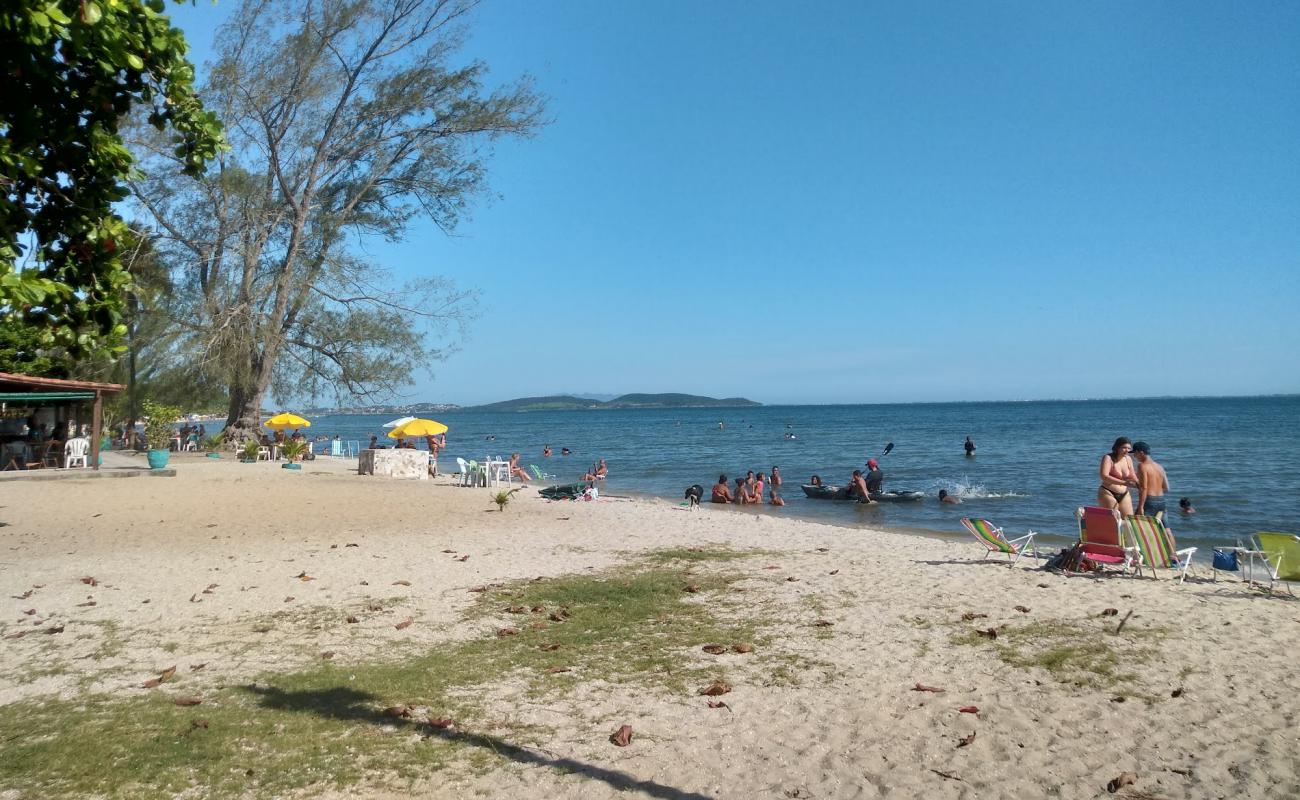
(478, 588)
(990, 633)
(692, 589)
(558, 670)
(1022, 609)
(549, 648)
(167, 673)
(970, 615)
(718, 704)
(515, 609)
(406, 623)
(1124, 779)
(327, 655)
(352, 620)
(462, 558)
(89, 581)
(823, 623)
(197, 667)
(714, 649)
(969, 709)
(401, 583)
(504, 632)
(211, 586)
(921, 687)
(398, 711)
(716, 688)
(622, 737)
(442, 723)
(1110, 612)
(966, 740)
(743, 647)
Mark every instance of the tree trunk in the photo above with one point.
(243, 418)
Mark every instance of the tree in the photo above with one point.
(74, 69)
(347, 119)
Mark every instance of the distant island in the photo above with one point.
(564, 402)
(554, 402)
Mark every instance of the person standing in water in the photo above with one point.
(775, 490)
(721, 491)
(970, 447)
(1117, 478)
(1152, 483)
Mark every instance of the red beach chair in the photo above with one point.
(1100, 537)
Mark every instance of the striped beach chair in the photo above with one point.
(1155, 547)
(990, 535)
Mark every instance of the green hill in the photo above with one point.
(562, 402)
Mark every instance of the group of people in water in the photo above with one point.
(1119, 477)
(749, 489)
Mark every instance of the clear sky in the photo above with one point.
(879, 202)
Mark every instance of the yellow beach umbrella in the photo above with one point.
(417, 428)
(285, 421)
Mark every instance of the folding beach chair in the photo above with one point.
(1156, 549)
(989, 535)
(1100, 536)
(538, 474)
(1281, 554)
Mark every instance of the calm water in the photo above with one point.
(1235, 458)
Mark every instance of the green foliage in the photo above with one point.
(213, 443)
(30, 351)
(158, 428)
(74, 70)
(293, 449)
(347, 119)
(250, 450)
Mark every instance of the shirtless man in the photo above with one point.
(743, 495)
(721, 491)
(1152, 483)
(858, 488)
(517, 470)
(1117, 477)
(775, 490)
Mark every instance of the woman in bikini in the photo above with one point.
(1117, 477)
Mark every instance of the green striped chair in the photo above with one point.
(1156, 549)
(989, 535)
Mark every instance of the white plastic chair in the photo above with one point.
(76, 450)
(263, 454)
(463, 466)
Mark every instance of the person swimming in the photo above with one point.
(944, 497)
(1185, 505)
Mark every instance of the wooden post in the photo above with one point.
(97, 420)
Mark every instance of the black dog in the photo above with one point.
(694, 494)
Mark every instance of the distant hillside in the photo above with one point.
(563, 402)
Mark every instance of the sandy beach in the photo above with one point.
(238, 574)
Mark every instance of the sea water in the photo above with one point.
(1036, 462)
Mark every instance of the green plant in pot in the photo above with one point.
(293, 450)
(212, 445)
(158, 431)
(249, 453)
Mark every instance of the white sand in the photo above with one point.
(853, 728)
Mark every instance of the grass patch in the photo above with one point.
(679, 555)
(1079, 653)
(325, 726)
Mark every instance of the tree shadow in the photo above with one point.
(342, 703)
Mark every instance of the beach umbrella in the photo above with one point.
(417, 428)
(285, 421)
(397, 423)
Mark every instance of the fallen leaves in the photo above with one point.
(921, 687)
(163, 676)
(1022, 609)
(516, 610)
(989, 633)
(504, 632)
(24, 595)
(823, 623)
(792, 579)
(197, 667)
(211, 586)
(714, 649)
(622, 737)
(966, 741)
(406, 623)
(352, 620)
(559, 615)
(17, 634)
(441, 723)
(969, 710)
(288, 599)
(1124, 779)
(398, 712)
(691, 589)
(53, 629)
(833, 572)
(401, 583)
(89, 581)
(970, 615)
(743, 647)
(187, 701)
(716, 688)
(327, 655)
(1110, 612)
(1177, 692)
(462, 558)
(718, 704)
(478, 588)
(87, 604)
(558, 670)
(304, 577)
(29, 612)
(548, 648)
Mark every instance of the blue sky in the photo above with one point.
(853, 202)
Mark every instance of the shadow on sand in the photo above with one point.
(342, 703)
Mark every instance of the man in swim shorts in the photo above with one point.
(1152, 483)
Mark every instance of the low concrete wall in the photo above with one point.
(394, 463)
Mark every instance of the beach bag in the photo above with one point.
(1225, 560)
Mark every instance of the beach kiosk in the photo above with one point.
(56, 406)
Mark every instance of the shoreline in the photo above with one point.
(249, 571)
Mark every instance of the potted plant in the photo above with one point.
(158, 432)
(293, 451)
(249, 456)
(212, 445)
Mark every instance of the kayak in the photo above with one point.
(825, 492)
